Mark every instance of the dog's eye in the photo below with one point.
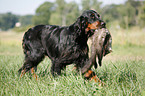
(92, 16)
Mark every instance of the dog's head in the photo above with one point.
(93, 20)
(89, 21)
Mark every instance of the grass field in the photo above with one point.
(123, 71)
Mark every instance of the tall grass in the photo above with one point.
(120, 78)
(122, 71)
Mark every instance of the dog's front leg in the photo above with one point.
(88, 73)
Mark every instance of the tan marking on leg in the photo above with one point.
(23, 73)
(88, 74)
(94, 77)
(33, 73)
(98, 80)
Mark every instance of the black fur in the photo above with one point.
(63, 45)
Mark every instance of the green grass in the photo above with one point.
(123, 71)
(121, 78)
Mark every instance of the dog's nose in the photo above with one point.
(103, 23)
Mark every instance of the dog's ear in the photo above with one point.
(81, 24)
(82, 21)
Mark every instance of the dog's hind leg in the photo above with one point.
(33, 56)
(30, 65)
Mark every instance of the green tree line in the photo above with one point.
(131, 13)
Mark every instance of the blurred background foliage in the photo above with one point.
(127, 15)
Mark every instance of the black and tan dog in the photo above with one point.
(63, 45)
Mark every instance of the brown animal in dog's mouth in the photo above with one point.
(101, 45)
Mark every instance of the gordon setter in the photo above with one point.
(63, 45)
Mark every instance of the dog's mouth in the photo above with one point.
(96, 25)
(93, 26)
